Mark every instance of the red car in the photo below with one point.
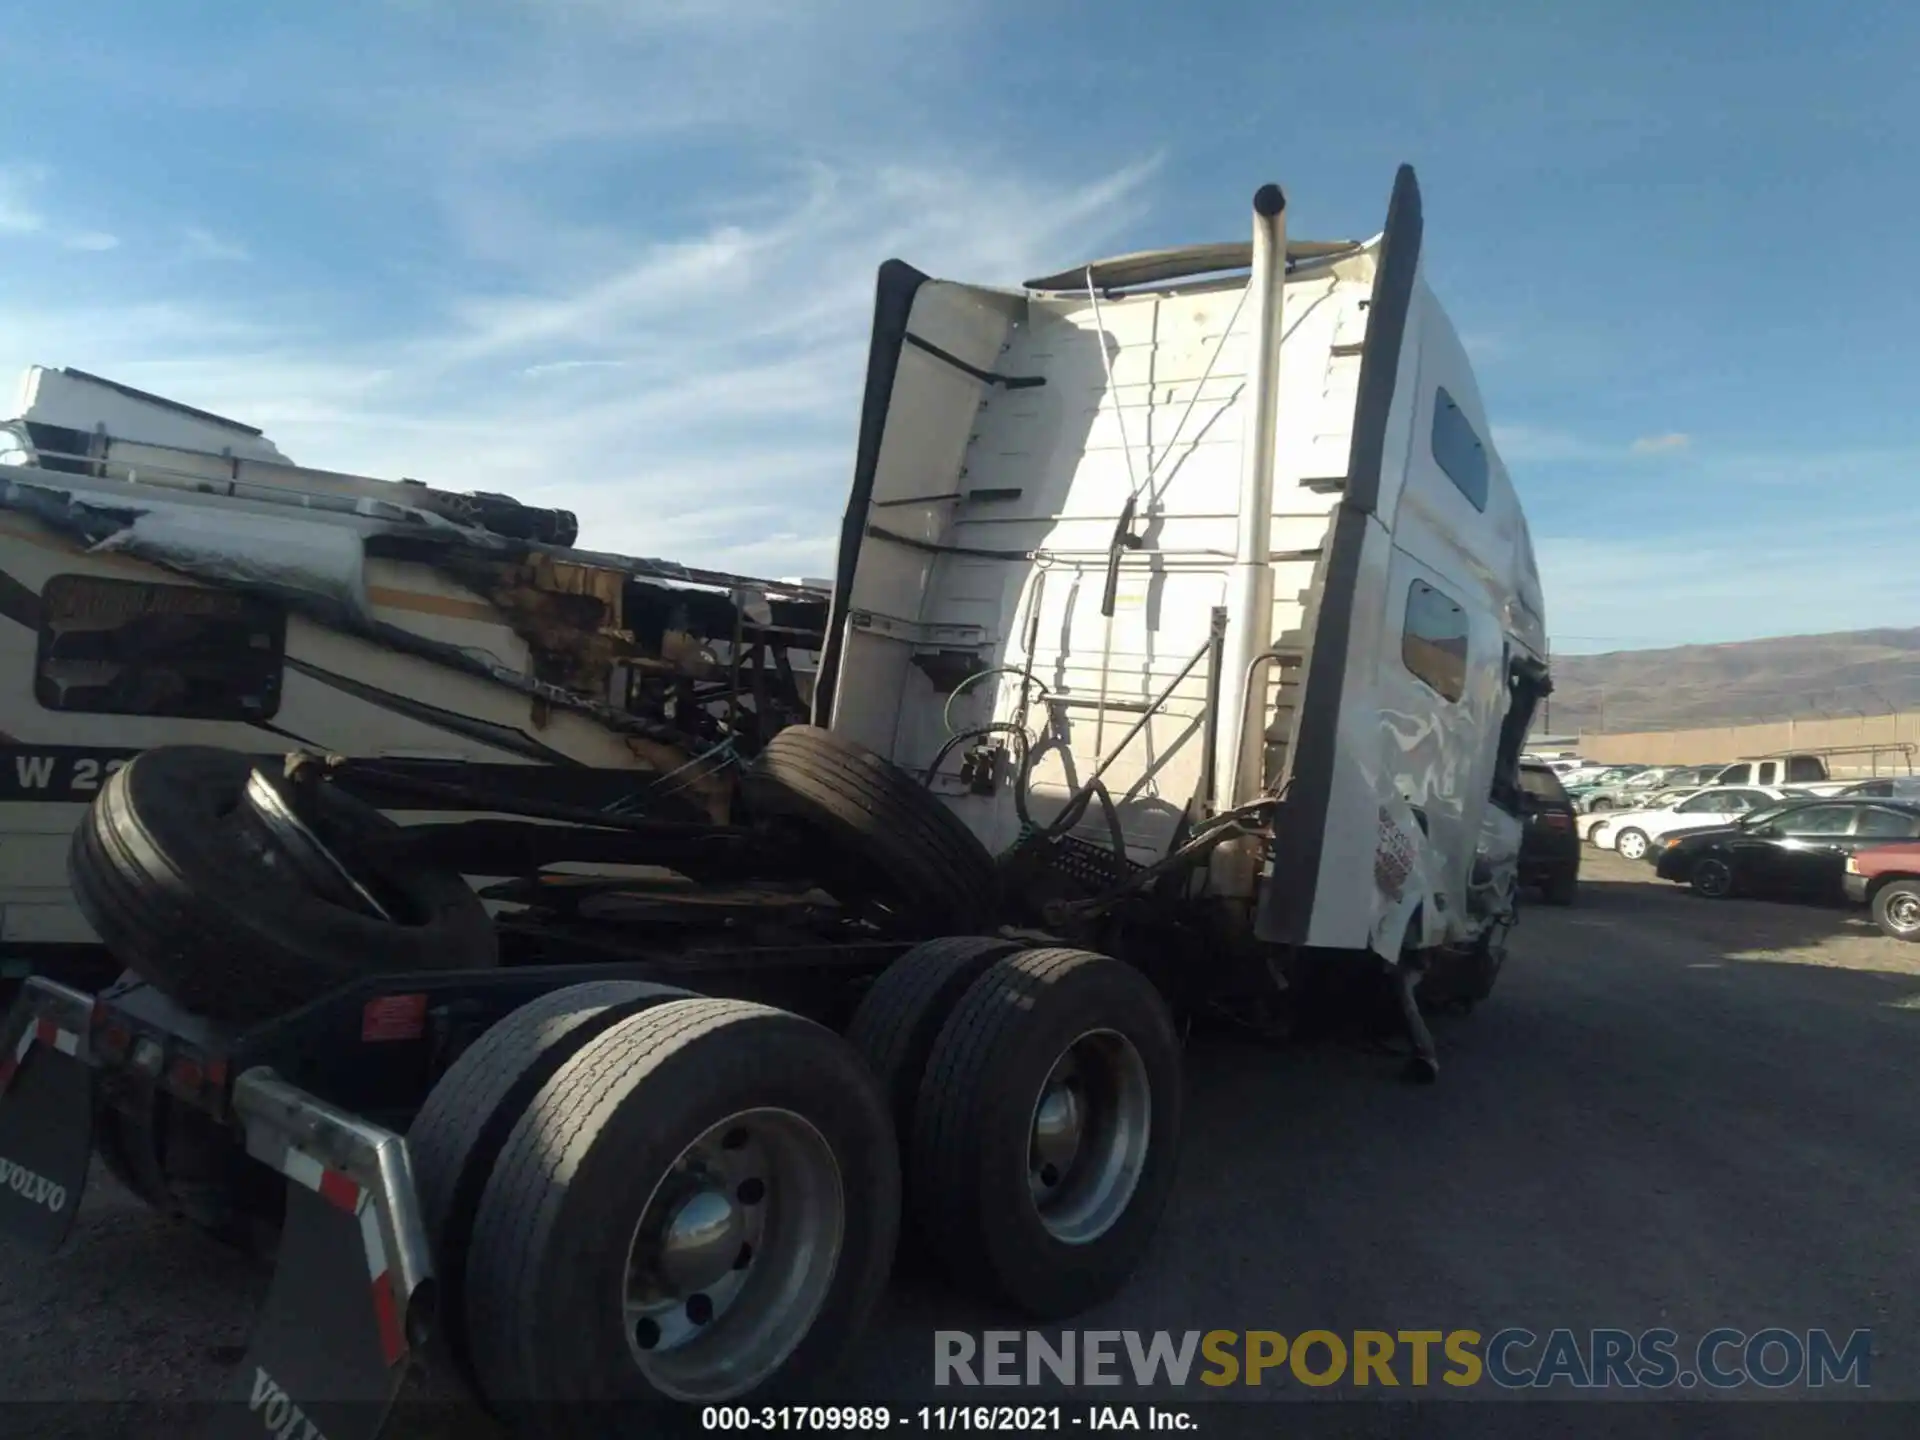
(1887, 878)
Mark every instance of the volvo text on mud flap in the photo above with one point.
(46, 1114)
(352, 1290)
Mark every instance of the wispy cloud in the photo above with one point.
(698, 401)
(21, 215)
(670, 346)
(1539, 444)
(199, 243)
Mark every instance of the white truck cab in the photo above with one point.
(1220, 533)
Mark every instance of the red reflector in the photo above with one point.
(186, 1074)
(394, 1017)
(1557, 821)
(114, 1040)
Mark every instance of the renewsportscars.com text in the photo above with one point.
(1511, 1359)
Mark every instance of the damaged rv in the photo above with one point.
(169, 577)
(1184, 634)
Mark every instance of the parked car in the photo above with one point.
(1632, 832)
(1886, 879)
(1559, 764)
(1803, 769)
(1627, 794)
(1885, 787)
(1693, 774)
(1589, 776)
(1685, 843)
(1591, 823)
(1797, 851)
(1549, 848)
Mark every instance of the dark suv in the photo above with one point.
(1549, 848)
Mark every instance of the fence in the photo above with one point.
(1730, 742)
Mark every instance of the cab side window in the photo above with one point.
(1433, 643)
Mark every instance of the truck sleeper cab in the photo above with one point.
(1064, 495)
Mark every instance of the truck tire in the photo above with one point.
(899, 1018)
(186, 891)
(1896, 909)
(700, 1206)
(457, 1136)
(1045, 1136)
(900, 847)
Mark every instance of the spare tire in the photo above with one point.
(893, 844)
(187, 888)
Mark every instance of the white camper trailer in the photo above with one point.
(168, 577)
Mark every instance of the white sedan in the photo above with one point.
(1592, 824)
(1631, 832)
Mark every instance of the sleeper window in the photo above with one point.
(1458, 451)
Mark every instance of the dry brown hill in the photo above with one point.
(1870, 672)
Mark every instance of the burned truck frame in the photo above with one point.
(649, 1137)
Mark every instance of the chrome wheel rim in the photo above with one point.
(1088, 1136)
(733, 1256)
(1903, 913)
(1711, 877)
(1631, 845)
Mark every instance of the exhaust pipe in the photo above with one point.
(1242, 743)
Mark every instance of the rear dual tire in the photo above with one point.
(1044, 1123)
(610, 1257)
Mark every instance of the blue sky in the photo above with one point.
(618, 254)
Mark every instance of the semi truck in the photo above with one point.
(1184, 638)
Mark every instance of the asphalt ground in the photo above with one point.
(1673, 1113)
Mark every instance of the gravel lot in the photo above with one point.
(1673, 1112)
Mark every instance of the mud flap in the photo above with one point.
(352, 1292)
(46, 1113)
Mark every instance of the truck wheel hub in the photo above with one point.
(734, 1254)
(1087, 1145)
(702, 1240)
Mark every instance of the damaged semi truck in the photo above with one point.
(1184, 634)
